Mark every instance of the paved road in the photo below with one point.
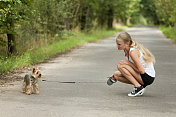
(85, 93)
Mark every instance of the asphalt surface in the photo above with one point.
(75, 83)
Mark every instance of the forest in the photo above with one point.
(35, 27)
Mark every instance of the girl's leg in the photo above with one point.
(118, 76)
(129, 73)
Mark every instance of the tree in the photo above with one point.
(86, 14)
(166, 11)
(11, 12)
(148, 10)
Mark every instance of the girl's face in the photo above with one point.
(121, 45)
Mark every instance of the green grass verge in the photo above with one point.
(38, 55)
(169, 32)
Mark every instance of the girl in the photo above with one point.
(138, 70)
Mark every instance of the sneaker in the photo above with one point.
(110, 81)
(137, 91)
(140, 94)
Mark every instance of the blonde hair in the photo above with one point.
(126, 38)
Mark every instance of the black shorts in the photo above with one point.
(147, 79)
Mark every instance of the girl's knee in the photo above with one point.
(120, 67)
(123, 66)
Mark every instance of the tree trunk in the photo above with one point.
(128, 21)
(89, 15)
(83, 18)
(11, 44)
(76, 15)
(110, 18)
(11, 40)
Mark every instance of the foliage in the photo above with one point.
(27, 22)
(148, 10)
(166, 11)
(170, 32)
(159, 11)
(13, 11)
(41, 54)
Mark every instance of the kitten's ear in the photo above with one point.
(33, 71)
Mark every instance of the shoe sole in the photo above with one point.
(137, 94)
(140, 94)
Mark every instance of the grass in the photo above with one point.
(170, 32)
(31, 57)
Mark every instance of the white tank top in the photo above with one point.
(149, 68)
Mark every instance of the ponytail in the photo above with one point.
(147, 55)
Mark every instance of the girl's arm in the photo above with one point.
(135, 57)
